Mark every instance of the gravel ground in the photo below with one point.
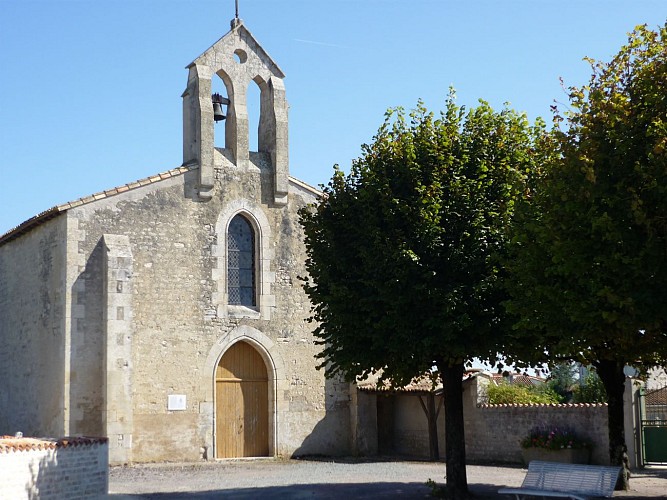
(326, 479)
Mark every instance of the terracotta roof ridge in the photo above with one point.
(52, 212)
(305, 185)
(126, 187)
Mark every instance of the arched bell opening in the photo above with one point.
(266, 125)
(221, 103)
(255, 114)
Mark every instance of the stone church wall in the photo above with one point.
(176, 320)
(33, 312)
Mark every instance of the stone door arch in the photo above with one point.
(275, 365)
(242, 403)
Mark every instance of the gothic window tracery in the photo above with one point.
(241, 262)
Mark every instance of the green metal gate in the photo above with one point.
(654, 425)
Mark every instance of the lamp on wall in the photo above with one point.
(218, 102)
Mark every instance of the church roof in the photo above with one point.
(52, 212)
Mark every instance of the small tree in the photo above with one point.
(589, 273)
(403, 253)
(561, 380)
(590, 390)
(505, 393)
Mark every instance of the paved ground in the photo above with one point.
(326, 479)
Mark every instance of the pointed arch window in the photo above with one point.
(241, 262)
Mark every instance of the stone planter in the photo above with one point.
(567, 455)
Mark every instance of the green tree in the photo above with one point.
(591, 390)
(505, 393)
(403, 252)
(589, 269)
(561, 380)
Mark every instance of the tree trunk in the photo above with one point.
(613, 378)
(455, 447)
(432, 419)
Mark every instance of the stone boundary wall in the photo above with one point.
(72, 468)
(493, 432)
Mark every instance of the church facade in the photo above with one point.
(168, 313)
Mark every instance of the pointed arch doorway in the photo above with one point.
(241, 403)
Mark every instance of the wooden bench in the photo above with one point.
(554, 479)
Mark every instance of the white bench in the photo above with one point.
(554, 479)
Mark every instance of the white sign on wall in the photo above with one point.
(176, 402)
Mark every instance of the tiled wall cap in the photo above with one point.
(544, 405)
(13, 444)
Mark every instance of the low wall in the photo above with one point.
(493, 432)
(54, 468)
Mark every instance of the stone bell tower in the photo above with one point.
(238, 59)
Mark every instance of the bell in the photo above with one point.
(218, 114)
(218, 101)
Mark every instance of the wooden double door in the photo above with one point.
(242, 403)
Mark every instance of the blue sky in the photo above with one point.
(90, 89)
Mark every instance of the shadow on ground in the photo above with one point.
(351, 491)
(657, 471)
(374, 459)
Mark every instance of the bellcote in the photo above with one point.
(238, 60)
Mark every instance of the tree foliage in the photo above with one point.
(561, 380)
(589, 269)
(590, 390)
(505, 393)
(404, 251)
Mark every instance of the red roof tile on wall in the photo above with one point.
(14, 444)
(543, 405)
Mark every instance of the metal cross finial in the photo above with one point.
(236, 22)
